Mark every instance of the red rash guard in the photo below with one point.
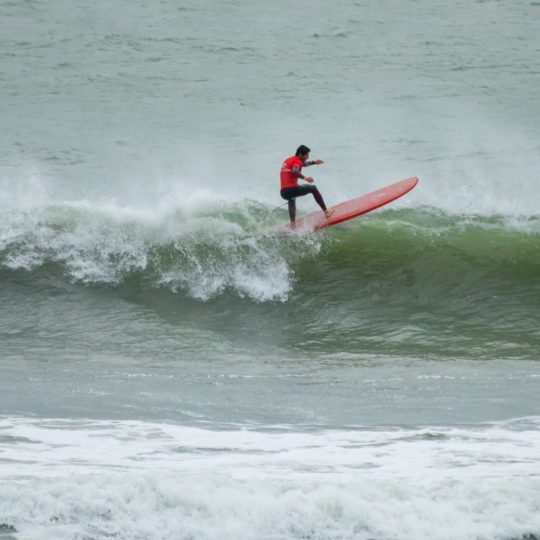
(291, 171)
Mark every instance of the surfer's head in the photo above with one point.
(303, 152)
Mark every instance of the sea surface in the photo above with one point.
(174, 367)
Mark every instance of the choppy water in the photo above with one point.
(173, 368)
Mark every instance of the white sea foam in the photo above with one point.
(213, 243)
(136, 480)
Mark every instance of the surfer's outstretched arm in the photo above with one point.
(313, 162)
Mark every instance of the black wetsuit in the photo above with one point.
(299, 191)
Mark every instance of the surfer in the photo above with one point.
(291, 171)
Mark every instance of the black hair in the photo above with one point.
(302, 150)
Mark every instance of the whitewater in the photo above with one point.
(171, 367)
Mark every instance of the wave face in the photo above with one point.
(240, 247)
(416, 275)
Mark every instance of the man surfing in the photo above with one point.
(291, 171)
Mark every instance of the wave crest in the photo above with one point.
(221, 247)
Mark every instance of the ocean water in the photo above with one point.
(171, 368)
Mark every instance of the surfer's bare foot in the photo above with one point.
(328, 212)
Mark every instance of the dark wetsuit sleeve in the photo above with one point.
(296, 172)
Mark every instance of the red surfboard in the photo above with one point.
(356, 207)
